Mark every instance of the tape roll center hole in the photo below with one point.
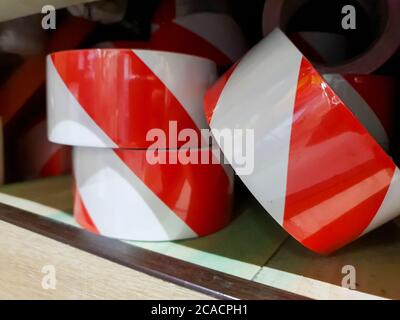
(302, 23)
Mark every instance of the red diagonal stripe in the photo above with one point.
(81, 215)
(200, 197)
(59, 163)
(338, 175)
(121, 94)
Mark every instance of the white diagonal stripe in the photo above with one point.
(260, 95)
(68, 123)
(187, 78)
(119, 203)
(390, 207)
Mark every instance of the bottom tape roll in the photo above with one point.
(135, 195)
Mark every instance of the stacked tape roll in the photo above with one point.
(278, 13)
(317, 169)
(113, 98)
(129, 184)
(119, 193)
(213, 36)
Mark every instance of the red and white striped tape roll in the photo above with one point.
(120, 194)
(112, 98)
(37, 157)
(210, 35)
(317, 170)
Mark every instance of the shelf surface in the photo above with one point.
(251, 258)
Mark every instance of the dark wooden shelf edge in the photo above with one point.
(213, 283)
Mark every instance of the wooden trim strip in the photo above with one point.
(188, 275)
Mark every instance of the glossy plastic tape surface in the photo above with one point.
(120, 194)
(113, 98)
(317, 170)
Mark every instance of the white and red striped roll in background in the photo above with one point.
(113, 97)
(195, 27)
(120, 194)
(317, 170)
(36, 157)
(210, 35)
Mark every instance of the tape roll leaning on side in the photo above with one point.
(120, 193)
(317, 170)
(112, 98)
